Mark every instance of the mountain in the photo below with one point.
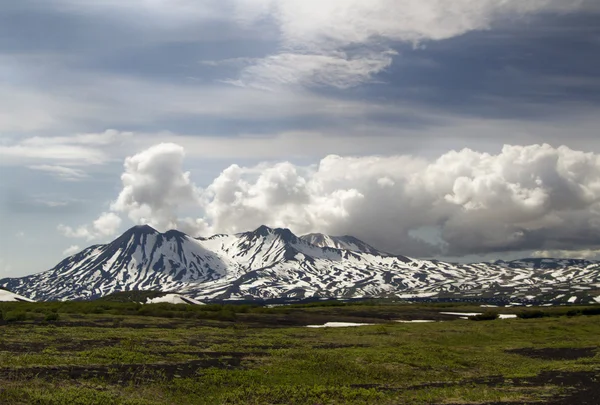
(341, 242)
(6, 296)
(276, 264)
(140, 259)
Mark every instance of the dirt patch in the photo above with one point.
(236, 355)
(123, 373)
(31, 347)
(116, 324)
(271, 347)
(68, 346)
(196, 342)
(338, 346)
(565, 353)
(581, 388)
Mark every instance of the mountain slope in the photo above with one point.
(141, 258)
(274, 263)
(341, 242)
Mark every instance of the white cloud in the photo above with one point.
(525, 198)
(109, 100)
(482, 202)
(155, 187)
(344, 42)
(71, 250)
(154, 11)
(61, 172)
(106, 138)
(77, 150)
(107, 224)
(71, 154)
(45, 201)
(339, 70)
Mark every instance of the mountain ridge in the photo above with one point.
(273, 263)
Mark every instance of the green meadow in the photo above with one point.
(106, 352)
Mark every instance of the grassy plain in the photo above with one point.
(126, 353)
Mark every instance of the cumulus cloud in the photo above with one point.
(535, 198)
(344, 42)
(107, 224)
(71, 250)
(155, 187)
(524, 198)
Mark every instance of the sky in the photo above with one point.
(461, 130)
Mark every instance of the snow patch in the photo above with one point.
(173, 299)
(8, 296)
(466, 315)
(339, 325)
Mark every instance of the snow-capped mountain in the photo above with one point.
(140, 259)
(275, 263)
(341, 242)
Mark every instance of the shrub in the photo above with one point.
(51, 317)
(15, 316)
(573, 312)
(226, 315)
(486, 316)
(531, 314)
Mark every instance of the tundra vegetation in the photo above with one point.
(112, 352)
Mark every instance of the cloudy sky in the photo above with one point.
(463, 130)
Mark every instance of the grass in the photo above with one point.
(125, 353)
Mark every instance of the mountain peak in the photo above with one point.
(141, 229)
(138, 232)
(263, 230)
(284, 233)
(345, 242)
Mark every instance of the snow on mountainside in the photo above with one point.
(341, 242)
(6, 296)
(140, 259)
(274, 263)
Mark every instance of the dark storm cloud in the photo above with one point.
(524, 70)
